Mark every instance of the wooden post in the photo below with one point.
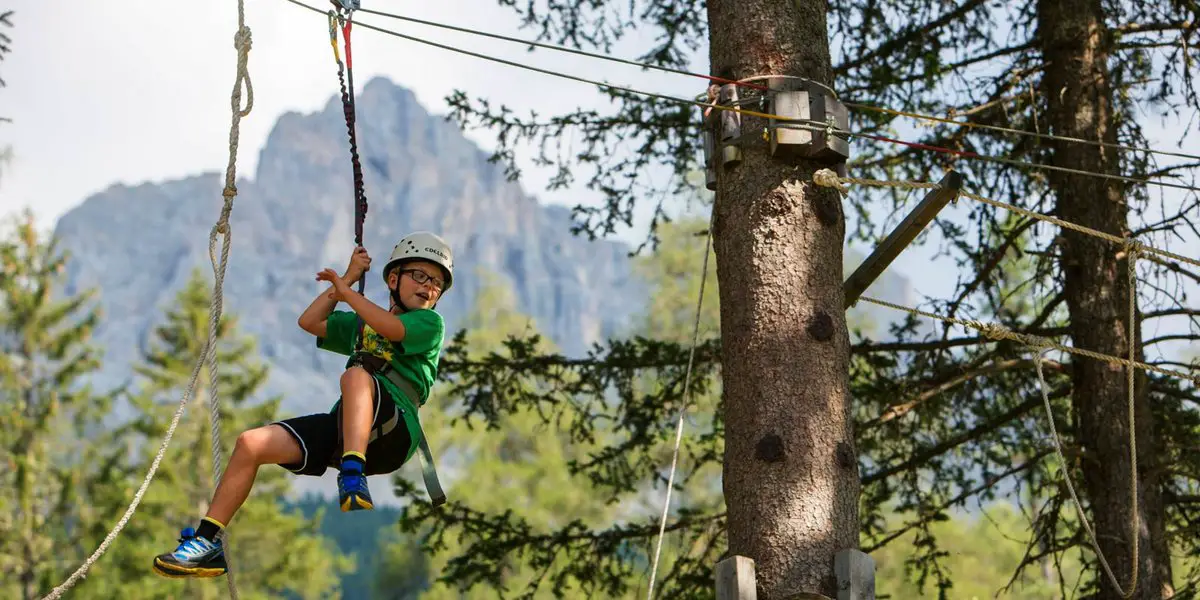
(855, 574)
(901, 237)
(735, 579)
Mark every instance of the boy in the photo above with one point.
(373, 428)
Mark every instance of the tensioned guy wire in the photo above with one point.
(794, 123)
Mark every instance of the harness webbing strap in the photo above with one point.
(428, 467)
(429, 473)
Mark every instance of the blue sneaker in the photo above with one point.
(353, 493)
(195, 557)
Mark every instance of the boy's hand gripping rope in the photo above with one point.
(242, 42)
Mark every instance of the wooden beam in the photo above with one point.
(735, 579)
(901, 237)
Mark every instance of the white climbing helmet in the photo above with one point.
(425, 246)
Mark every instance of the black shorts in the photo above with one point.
(320, 438)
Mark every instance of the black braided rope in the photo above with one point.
(360, 194)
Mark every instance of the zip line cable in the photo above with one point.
(1000, 129)
(860, 106)
(789, 122)
(558, 48)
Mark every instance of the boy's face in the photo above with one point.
(418, 295)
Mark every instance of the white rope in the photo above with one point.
(687, 380)
(242, 43)
(997, 331)
(1133, 249)
(828, 178)
(1133, 480)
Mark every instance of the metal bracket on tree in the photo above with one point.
(805, 121)
(725, 125)
(811, 117)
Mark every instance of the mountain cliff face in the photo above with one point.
(295, 216)
(139, 244)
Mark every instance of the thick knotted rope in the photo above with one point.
(242, 44)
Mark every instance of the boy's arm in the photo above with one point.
(313, 318)
(382, 321)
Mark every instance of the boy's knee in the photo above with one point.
(252, 443)
(355, 376)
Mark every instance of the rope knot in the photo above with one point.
(1038, 343)
(241, 39)
(230, 192)
(827, 178)
(994, 331)
(1132, 247)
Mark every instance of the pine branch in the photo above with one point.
(934, 513)
(1131, 28)
(911, 35)
(979, 431)
(937, 389)
(593, 559)
(1175, 312)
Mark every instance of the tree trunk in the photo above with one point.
(30, 452)
(790, 470)
(1075, 45)
(28, 575)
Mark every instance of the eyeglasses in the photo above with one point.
(421, 277)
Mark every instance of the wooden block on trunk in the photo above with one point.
(855, 575)
(735, 579)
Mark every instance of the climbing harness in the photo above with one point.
(341, 16)
(377, 366)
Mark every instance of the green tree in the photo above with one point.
(1095, 70)
(46, 413)
(637, 391)
(517, 465)
(365, 536)
(273, 552)
(52, 447)
(1100, 71)
(983, 550)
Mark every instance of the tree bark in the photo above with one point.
(1076, 43)
(790, 470)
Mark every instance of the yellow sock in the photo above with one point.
(353, 462)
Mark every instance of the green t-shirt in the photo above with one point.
(415, 359)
